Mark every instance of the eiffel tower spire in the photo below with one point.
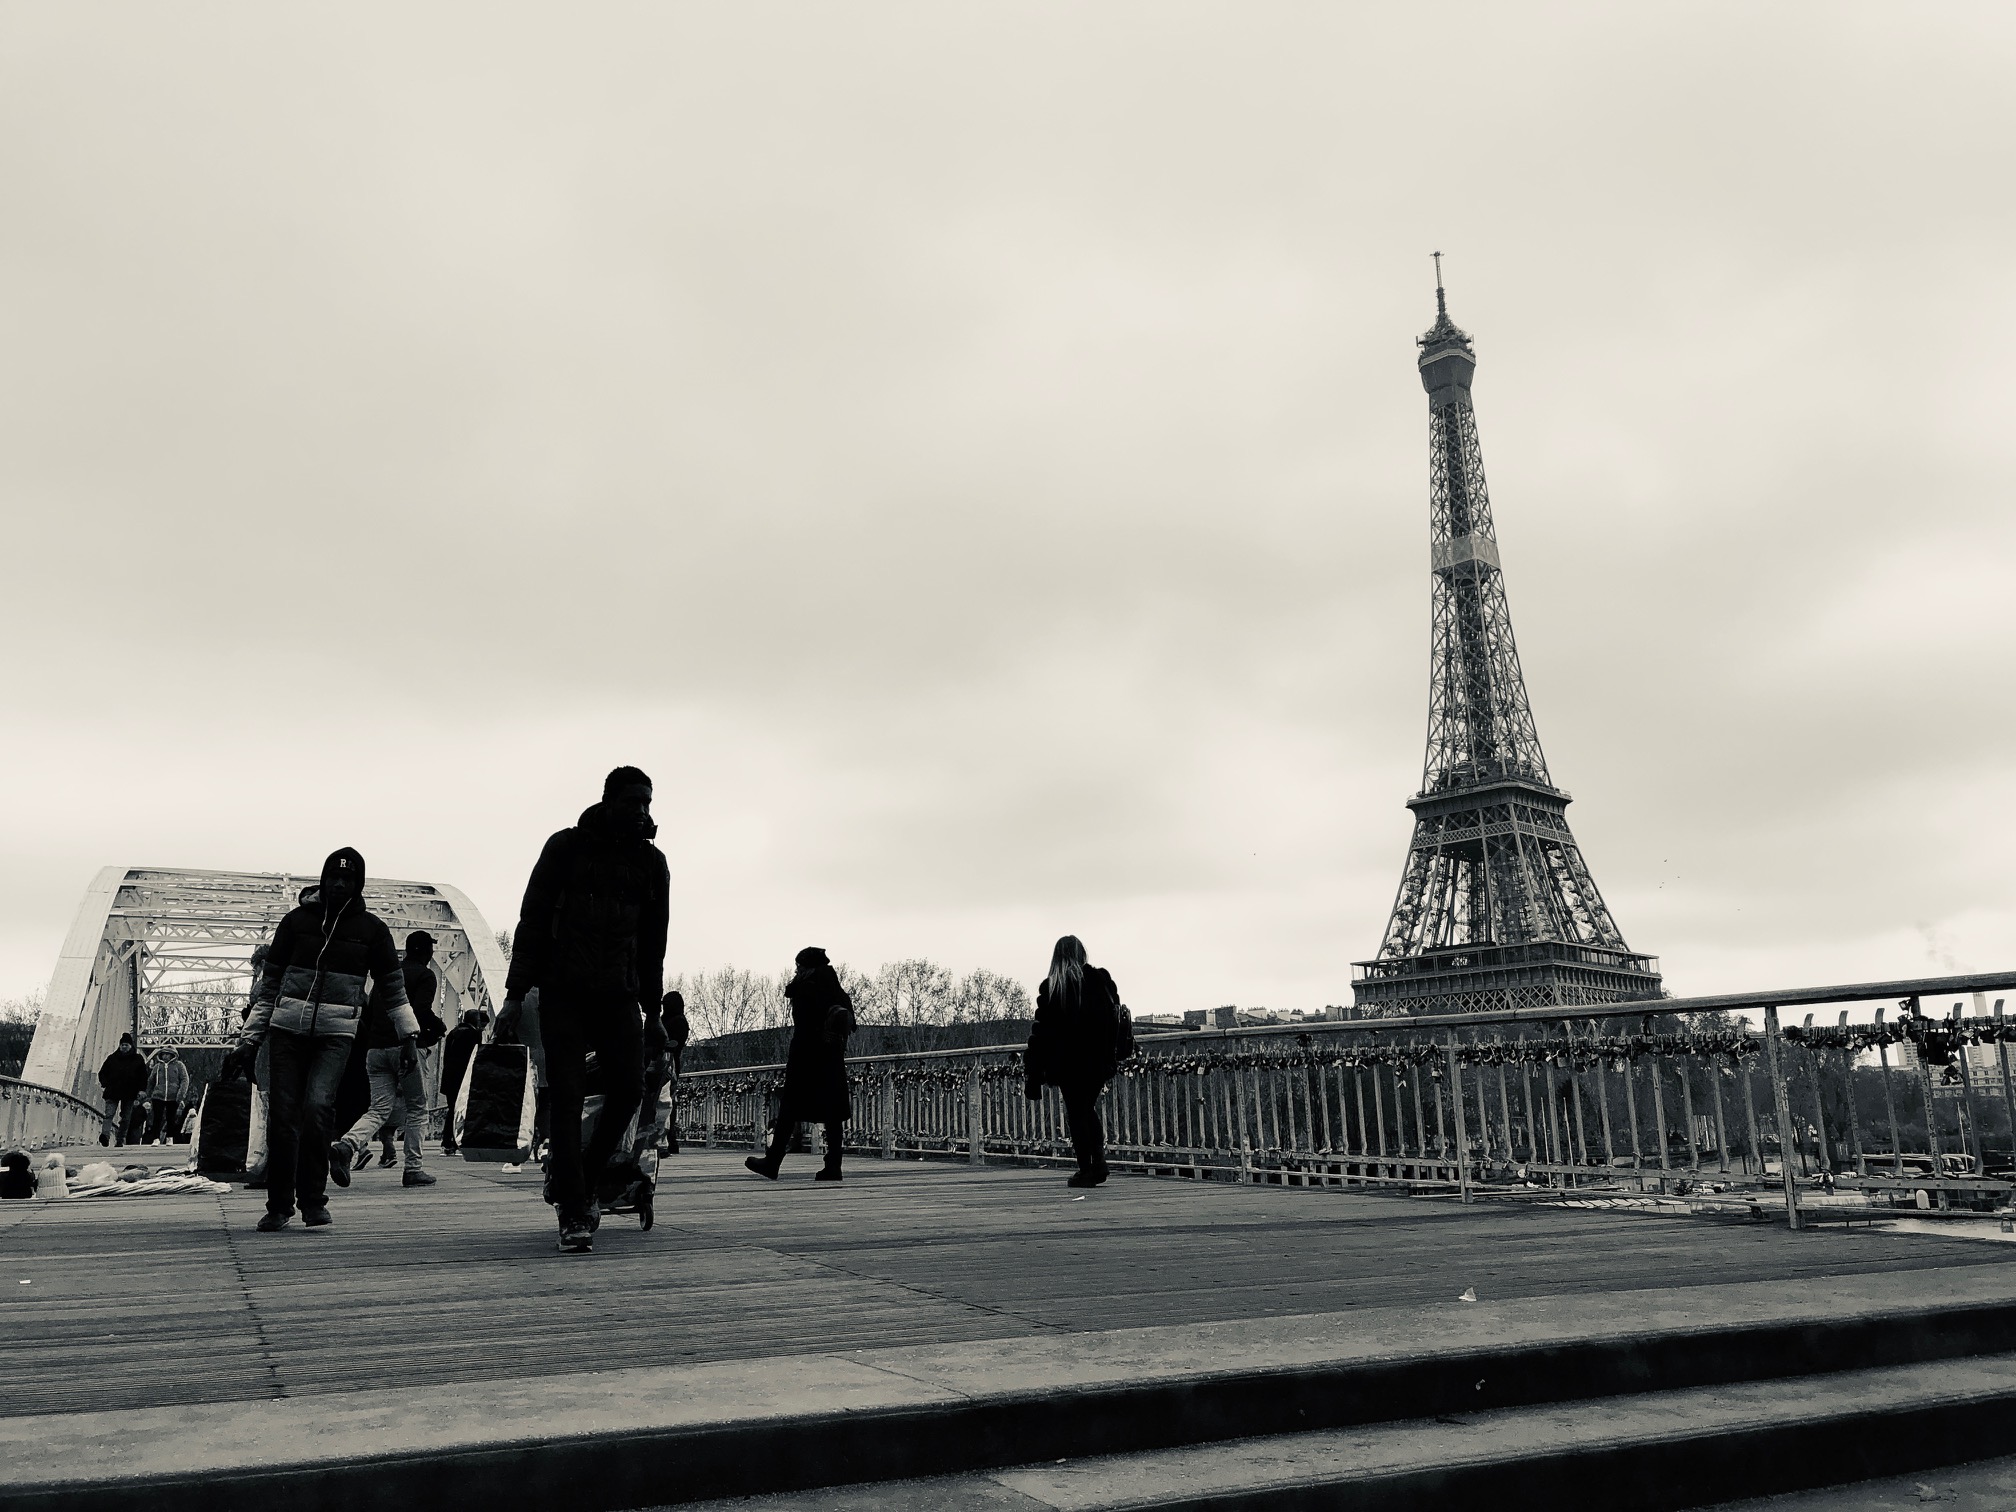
(1496, 907)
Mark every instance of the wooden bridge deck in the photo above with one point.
(168, 1300)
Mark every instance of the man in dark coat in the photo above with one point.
(398, 1092)
(306, 1009)
(591, 938)
(122, 1078)
(455, 1052)
(815, 1068)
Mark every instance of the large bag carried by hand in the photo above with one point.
(230, 1129)
(494, 1108)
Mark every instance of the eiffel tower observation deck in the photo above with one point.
(1496, 907)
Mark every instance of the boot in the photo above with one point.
(415, 1176)
(830, 1171)
(766, 1164)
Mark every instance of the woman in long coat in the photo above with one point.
(1075, 1046)
(815, 1070)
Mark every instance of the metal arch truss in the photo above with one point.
(167, 955)
(1496, 907)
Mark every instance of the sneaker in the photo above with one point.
(594, 1215)
(339, 1161)
(416, 1177)
(387, 1159)
(363, 1159)
(761, 1167)
(576, 1238)
(315, 1217)
(511, 1168)
(272, 1223)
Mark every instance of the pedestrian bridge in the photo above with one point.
(432, 1337)
(165, 954)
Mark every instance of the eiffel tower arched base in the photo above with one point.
(1495, 978)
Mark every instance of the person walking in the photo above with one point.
(455, 1052)
(167, 1094)
(591, 939)
(672, 1014)
(307, 1007)
(122, 1078)
(815, 1069)
(1075, 1045)
(398, 1091)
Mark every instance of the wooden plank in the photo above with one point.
(167, 1300)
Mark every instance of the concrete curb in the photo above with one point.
(642, 1437)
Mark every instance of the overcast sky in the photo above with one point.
(971, 455)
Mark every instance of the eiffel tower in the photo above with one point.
(1496, 907)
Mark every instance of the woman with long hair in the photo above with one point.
(815, 1069)
(1075, 1046)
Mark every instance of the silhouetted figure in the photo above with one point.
(591, 939)
(677, 1032)
(1075, 1045)
(815, 1070)
(455, 1052)
(307, 1009)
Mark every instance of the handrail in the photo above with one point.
(35, 1117)
(1860, 992)
(10, 1082)
(1400, 1107)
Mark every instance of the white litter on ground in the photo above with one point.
(151, 1186)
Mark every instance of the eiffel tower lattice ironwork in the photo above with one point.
(1496, 907)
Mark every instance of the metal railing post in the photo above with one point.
(973, 1131)
(1781, 1100)
(1462, 1121)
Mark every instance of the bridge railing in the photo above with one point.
(34, 1117)
(1556, 1098)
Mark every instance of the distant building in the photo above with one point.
(1211, 1018)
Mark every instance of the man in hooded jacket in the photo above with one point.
(591, 938)
(306, 1009)
(167, 1094)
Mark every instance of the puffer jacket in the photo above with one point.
(168, 1080)
(314, 981)
(593, 919)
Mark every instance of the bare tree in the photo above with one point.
(730, 1001)
(913, 992)
(984, 995)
